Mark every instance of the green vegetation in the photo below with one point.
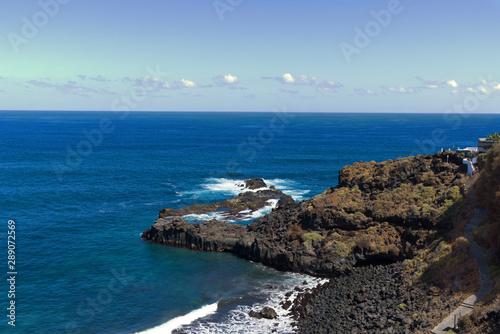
(447, 264)
(464, 323)
(495, 136)
(308, 238)
(340, 248)
(494, 270)
(487, 235)
(402, 305)
(454, 193)
(487, 189)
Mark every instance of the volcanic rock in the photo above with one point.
(268, 313)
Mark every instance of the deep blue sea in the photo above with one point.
(82, 186)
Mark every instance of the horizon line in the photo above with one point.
(245, 111)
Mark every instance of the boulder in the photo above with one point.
(254, 314)
(268, 313)
(255, 183)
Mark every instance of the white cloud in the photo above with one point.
(188, 83)
(99, 78)
(362, 91)
(227, 79)
(151, 83)
(430, 84)
(231, 79)
(71, 87)
(41, 84)
(400, 90)
(484, 87)
(328, 86)
(325, 86)
(288, 78)
(305, 80)
(397, 90)
(302, 79)
(452, 83)
(433, 84)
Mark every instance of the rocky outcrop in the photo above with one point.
(256, 197)
(379, 213)
(211, 236)
(255, 183)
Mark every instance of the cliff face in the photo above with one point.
(211, 236)
(380, 212)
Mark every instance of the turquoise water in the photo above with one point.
(81, 202)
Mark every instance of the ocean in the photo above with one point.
(81, 187)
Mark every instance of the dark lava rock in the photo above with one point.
(254, 314)
(213, 235)
(255, 183)
(268, 313)
(365, 300)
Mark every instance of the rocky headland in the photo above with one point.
(379, 212)
(382, 235)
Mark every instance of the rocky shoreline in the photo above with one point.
(372, 234)
(373, 299)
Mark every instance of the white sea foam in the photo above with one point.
(271, 204)
(224, 185)
(289, 187)
(187, 319)
(239, 321)
(243, 215)
(234, 187)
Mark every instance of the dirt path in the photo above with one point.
(486, 284)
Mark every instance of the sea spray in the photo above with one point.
(238, 320)
(175, 323)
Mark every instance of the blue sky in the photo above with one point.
(250, 55)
